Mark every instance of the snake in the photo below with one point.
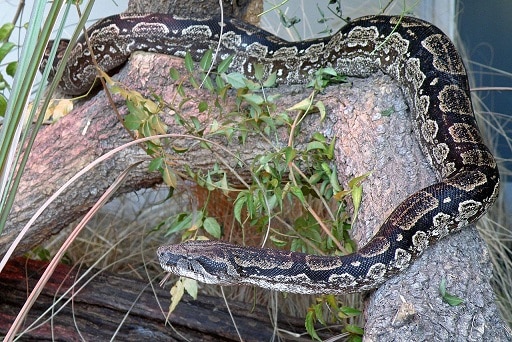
(433, 79)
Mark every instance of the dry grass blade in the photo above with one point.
(51, 267)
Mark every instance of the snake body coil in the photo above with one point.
(433, 79)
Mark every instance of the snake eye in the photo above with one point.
(212, 267)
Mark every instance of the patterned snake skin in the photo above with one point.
(433, 79)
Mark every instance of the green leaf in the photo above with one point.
(189, 62)
(224, 64)
(11, 68)
(5, 31)
(297, 245)
(277, 242)
(315, 145)
(206, 61)
(333, 180)
(195, 121)
(330, 151)
(174, 74)
(41, 253)
(132, 122)
(442, 287)
(211, 225)
(254, 98)
(332, 301)
(271, 80)
(258, 71)
(179, 149)
(349, 311)
(354, 329)
(357, 196)
(5, 48)
(319, 137)
(136, 109)
(169, 177)
(310, 325)
(208, 83)
(157, 124)
(388, 112)
(193, 81)
(236, 80)
(180, 90)
(302, 105)
(315, 178)
(318, 312)
(453, 300)
(202, 106)
(197, 220)
(355, 338)
(251, 85)
(181, 222)
(448, 298)
(290, 154)
(221, 85)
(223, 184)
(146, 130)
(155, 164)
(329, 71)
(297, 192)
(357, 180)
(3, 105)
(239, 205)
(321, 108)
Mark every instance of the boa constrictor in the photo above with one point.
(413, 52)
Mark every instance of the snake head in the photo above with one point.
(197, 260)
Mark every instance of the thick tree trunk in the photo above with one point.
(245, 9)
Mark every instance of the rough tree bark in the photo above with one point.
(366, 140)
